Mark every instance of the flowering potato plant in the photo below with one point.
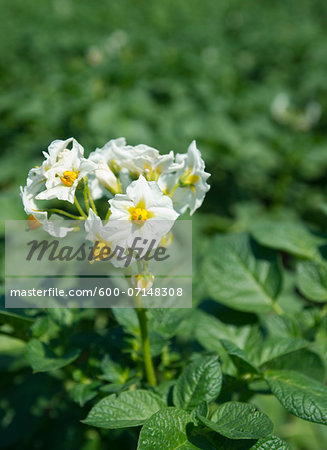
(174, 378)
(253, 93)
(142, 185)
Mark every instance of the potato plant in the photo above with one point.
(165, 377)
(207, 370)
(246, 366)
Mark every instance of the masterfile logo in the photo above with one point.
(45, 271)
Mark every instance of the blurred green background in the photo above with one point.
(246, 79)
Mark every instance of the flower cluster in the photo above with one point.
(139, 184)
(145, 193)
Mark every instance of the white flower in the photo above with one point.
(34, 184)
(94, 227)
(145, 210)
(145, 160)
(142, 160)
(63, 170)
(98, 230)
(107, 237)
(187, 186)
(162, 165)
(117, 164)
(105, 180)
(137, 160)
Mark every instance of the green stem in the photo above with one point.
(277, 309)
(149, 370)
(174, 189)
(86, 200)
(80, 210)
(91, 199)
(107, 215)
(64, 213)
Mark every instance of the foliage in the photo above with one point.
(247, 80)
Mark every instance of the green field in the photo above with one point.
(247, 80)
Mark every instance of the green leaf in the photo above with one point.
(237, 420)
(18, 320)
(220, 442)
(202, 409)
(81, 393)
(271, 443)
(169, 428)
(113, 372)
(291, 237)
(11, 345)
(242, 275)
(281, 326)
(303, 361)
(312, 280)
(127, 318)
(12, 352)
(19, 317)
(167, 321)
(200, 381)
(299, 394)
(209, 331)
(278, 346)
(64, 317)
(42, 359)
(239, 357)
(129, 409)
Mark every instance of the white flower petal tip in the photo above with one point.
(187, 186)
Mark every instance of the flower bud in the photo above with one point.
(143, 281)
(107, 178)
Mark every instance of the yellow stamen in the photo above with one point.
(69, 177)
(189, 179)
(193, 179)
(138, 213)
(99, 251)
